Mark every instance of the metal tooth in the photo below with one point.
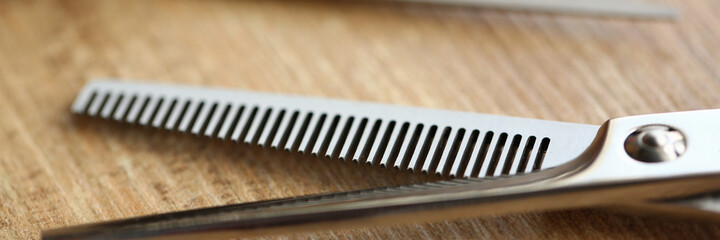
(447, 151)
(336, 137)
(296, 134)
(110, 105)
(202, 118)
(363, 143)
(517, 157)
(235, 110)
(222, 109)
(341, 137)
(330, 141)
(462, 154)
(250, 127)
(366, 155)
(487, 157)
(82, 101)
(355, 130)
(433, 149)
(440, 148)
(531, 146)
(136, 109)
(480, 153)
(272, 123)
(413, 165)
(287, 140)
(494, 153)
(258, 126)
(328, 128)
(307, 138)
(97, 104)
(255, 124)
(395, 157)
(537, 164)
(505, 153)
(149, 111)
(453, 151)
(403, 158)
(242, 124)
(175, 114)
(379, 145)
(189, 115)
(283, 130)
(162, 112)
(124, 107)
(388, 156)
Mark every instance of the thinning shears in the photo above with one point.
(667, 162)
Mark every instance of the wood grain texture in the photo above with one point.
(58, 170)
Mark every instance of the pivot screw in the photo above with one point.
(655, 143)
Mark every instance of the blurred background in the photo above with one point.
(58, 170)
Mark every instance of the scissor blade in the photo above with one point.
(704, 206)
(604, 175)
(709, 202)
(377, 207)
(610, 8)
(438, 142)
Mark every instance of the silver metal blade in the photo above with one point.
(709, 202)
(699, 207)
(612, 8)
(446, 143)
(608, 173)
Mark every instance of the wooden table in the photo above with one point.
(58, 170)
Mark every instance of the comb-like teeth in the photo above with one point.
(296, 127)
(228, 125)
(353, 140)
(339, 140)
(202, 118)
(451, 152)
(380, 143)
(283, 130)
(109, 107)
(188, 116)
(433, 141)
(95, 106)
(136, 109)
(216, 118)
(150, 110)
(298, 131)
(468, 144)
(123, 107)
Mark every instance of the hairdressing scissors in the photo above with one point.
(491, 164)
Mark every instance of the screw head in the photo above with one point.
(655, 143)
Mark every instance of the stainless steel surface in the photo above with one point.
(610, 8)
(700, 207)
(706, 205)
(446, 143)
(603, 175)
(656, 143)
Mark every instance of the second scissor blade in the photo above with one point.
(609, 8)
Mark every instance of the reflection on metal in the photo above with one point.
(655, 143)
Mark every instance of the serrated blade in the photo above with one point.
(446, 143)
